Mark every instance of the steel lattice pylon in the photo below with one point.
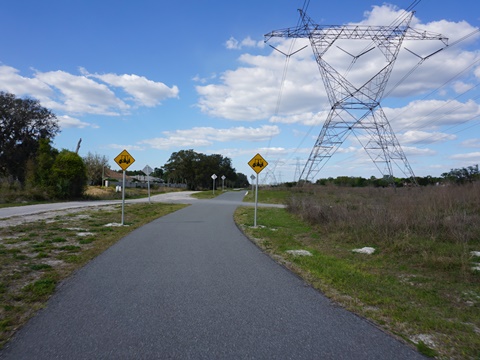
(357, 107)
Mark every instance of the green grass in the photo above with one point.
(205, 195)
(39, 289)
(426, 350)
(26, 203)
(36, 256)
(418, 286)
(268, 195)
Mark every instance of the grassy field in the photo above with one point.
(36, 256)
(420, 284)
(205, 195)
(268, 195)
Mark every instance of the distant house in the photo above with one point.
(138, 181)
(110, 174)
(147, 178)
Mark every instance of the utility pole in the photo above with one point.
(78, 146)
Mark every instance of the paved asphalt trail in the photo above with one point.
(191, 286)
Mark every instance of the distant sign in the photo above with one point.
(124, 160)
(258, 163)
(214, 176)
(147, 170)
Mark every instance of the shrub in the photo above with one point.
(69, 175)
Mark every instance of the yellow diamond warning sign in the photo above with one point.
(258, 163)
(124, 159)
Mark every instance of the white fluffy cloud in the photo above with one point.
(145, 92)
(474, 156)
(66, 122)
(423, 137)
(80, 95)
(255, 91)
(84, 94)
(307, 118)
(415, 151)
(206, 136)
(11, 81)
(126, 147)
(431, 114)
(471, 143)
(234, 44)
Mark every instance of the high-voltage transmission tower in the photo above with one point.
(357, 108)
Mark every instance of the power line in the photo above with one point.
(399, 18)
(440, 87)
(423, 59)
(397, 22)
(288, 55)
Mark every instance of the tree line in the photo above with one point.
(458, 176)
(196, 170)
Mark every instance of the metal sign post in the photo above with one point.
(148, 186)
(256, 204)
(123, 198)
(223, 182)
(124, 160)
(214, 176)
(147, 171)
(257, 163)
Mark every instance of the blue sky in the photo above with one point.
(155, 77)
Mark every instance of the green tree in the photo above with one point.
(463, 175)
(69, 175)
(23, 123)
(195, 169)
(95, 165)
(427, 180)
(39, 170)
(180, 167)
(158, 173)
(241, 181)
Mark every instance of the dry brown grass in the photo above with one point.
(442, 213)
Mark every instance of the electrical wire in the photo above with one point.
(283, 80)
(398, 21)
(438, 89)
(426, 58)
(456, 42)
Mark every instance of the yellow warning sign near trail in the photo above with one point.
(258, 163)
(124, 160)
